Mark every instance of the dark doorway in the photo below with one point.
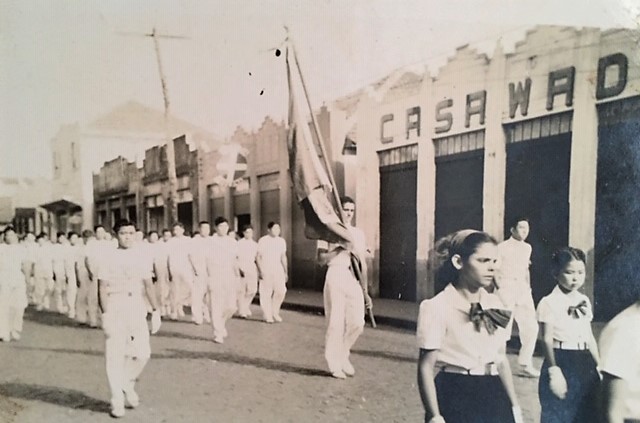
(269, 208)
(617, 267)
(398, 184)
(459, 179)
(537, 187)
(185, 216)
(155, 220)
(241, 221)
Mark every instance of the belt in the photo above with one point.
(562, 345)
(489, 369)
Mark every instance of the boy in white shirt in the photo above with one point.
(273, 272)
(514, 288)
(248, 286)
(13, 290)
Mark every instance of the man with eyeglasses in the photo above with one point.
(344, 296)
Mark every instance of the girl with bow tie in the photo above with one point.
(569, 381)
(463, 373)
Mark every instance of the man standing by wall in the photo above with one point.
(124, 280)
(514, 287)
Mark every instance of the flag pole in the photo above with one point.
(325, 159)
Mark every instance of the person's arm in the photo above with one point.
(547, 339)
(284, 262)
(426, 384)
(614, 393)
(504, 372)
(325, 256)
(102, 295)
(149, 290)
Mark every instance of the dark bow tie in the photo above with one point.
(491, 318)
(576, 310)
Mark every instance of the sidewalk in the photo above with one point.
(399, 314)
(395, 313)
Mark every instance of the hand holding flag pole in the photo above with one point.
(311, 180)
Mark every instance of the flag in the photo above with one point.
(232, 164)
(311, 184)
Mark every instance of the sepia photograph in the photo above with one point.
(320, 211)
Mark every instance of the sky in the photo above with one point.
(67, 61)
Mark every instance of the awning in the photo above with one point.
(61, 206)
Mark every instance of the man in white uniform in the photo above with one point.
(197, 257)
(180, 270)
(222, 267)
(273, 272)
(514, 288)
(248, 284)
(70, 259)
(60, 252)
(124, 280)
(43, 272)
(344, 296)
(160, 255)
(13, 290)
(30, 247)
(87, 297)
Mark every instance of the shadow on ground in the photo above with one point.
(385, 355)
(54, 395)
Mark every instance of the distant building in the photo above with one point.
(19, 204)
(78, 151)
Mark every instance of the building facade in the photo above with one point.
(548, 131)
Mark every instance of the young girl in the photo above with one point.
(463, 373)
(569, 381)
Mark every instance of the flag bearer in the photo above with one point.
(344, 296)
(124, 281)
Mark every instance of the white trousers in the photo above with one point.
(344, 312)
(247, 288)
(71, 293)
(59, 290)
(198, 306)
(87, 300)
(273, 288)
(13, 301)
(181, 286)
(163, 288)
(517, 295)
(127, 347)
(222, 297)
(43, 289)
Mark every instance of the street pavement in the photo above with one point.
(262, 373)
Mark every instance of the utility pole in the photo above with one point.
(172, 201)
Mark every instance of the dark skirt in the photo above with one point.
(472, 399)
(583, 384)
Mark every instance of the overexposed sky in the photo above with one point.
(70, 61)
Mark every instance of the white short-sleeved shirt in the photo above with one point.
(553, 309)
(11, 259)
(124, 270)
(95, 252)
(444, 325)
(270, 250)
(43, 261)
(197, 254)
(247, 252)
(30, 247)
(59, 252)
(620, 354)
(344, 258)
(178, 248)
(515, 258)
(222, 256)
